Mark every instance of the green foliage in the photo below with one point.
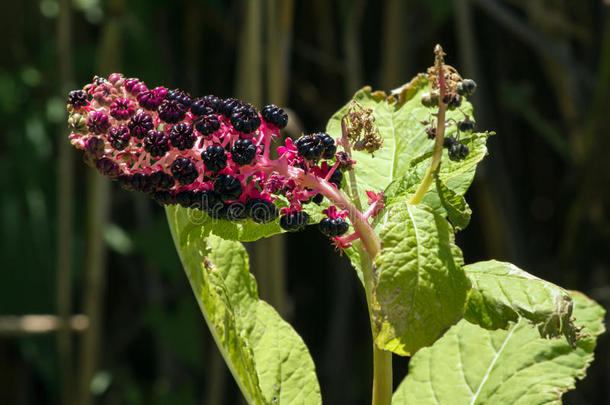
(267, 358)
(501, 293)
(422, 288)
(471, 365)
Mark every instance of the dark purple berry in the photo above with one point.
(122, 109)
(227, 187)
(140, 124)
(317, 199)
(171, 111)
(206, 105)
(180, 96)
(185, 198)
(181, 136)
(452, 100)
(208, 124)
(333, 227)
(161, 180)
(184, 171)
(310, 147)
(119, 137)
(466, 87)
(261, 211)
(274, 115)
(329, 146)
(294, 221)
(124, 181)
(156, 143)
(466, 125)
(98, 122)
(227, 106)
(243, 152)
(245, 118)
(336, 178)
(108, 167)
(95, 147)
(141, 182)
(458, 151)
(214, 158)
(78, 98)
(448, 142)
(134, 86)
(208, 201)
(199, 108)
(152, 99)
(164, 197)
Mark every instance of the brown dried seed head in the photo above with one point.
(361, 129)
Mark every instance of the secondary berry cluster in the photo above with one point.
(205, 153)
(457, 89)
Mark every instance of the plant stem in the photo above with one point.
(382, 377)
(439, 139)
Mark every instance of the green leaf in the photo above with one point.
(470, 365)
(421, 288)
(454, 204)
(267, 358)
(501, 293)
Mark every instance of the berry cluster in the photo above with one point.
(457, 89)
(205, 153)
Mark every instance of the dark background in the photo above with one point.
(72, 243)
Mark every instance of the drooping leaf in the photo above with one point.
(470, 365)
(421, 288)
(267, 358)
(454, 204)
(502, 292)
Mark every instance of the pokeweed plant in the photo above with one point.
(386, 184)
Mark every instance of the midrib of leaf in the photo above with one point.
(492, 364)
(393, 152)
(418, 264)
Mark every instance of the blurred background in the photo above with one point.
(94, 305)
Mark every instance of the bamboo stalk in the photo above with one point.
(267, 254)
(98, 212)
(65, 192)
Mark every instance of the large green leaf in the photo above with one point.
(502, 292)
(421, 289)
(267, 358)
(470, 365)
